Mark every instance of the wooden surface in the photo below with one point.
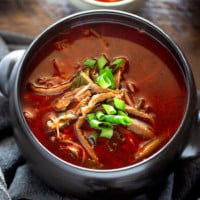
(179, 18)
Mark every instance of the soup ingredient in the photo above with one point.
(51, 88)
(146, 148)
(74, 149)
(83, 140)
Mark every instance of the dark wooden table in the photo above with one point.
(179, 18)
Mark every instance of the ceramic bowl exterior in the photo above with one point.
(88, 183)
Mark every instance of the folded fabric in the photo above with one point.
(17, 181)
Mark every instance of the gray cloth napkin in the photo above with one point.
(17, 181)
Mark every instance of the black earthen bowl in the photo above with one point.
(82, 182)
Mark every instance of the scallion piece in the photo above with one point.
(118, 63)
(101, 62)
(94, 123)
(122, 113)
(99, 124)
(90, 62)
(91, 116)
(118, 119)
(110, 110)
(119, 104)
(94, 136)
(100, 115)
(106, 79)
(106, 132)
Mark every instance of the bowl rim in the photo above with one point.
(190, 86)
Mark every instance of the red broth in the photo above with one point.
(156, 88)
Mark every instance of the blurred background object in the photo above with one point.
(125, 5)
(178, 18)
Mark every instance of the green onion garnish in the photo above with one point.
(110, 110)
(90, 62)
(118, 63)
(100, 115)
(119, 104)
(94, 136)
(122, 113)
(101, 62)
(106, 79)
(113, 114)
(106, 132)
(91, 116)
(118, 119)
(94, 123)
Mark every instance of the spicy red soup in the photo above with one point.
(98, 98)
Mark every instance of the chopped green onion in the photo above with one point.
(101, 62)
(94, 123)
(118, 63)
(106, 79)
(94, 136)
(118, 119)
(91, 116)
(99, 125)
(100, 115)
(119, 104)
(110, 110)
(90, 62)
(106, 132)
(122, 113)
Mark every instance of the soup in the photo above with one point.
(102, 99)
